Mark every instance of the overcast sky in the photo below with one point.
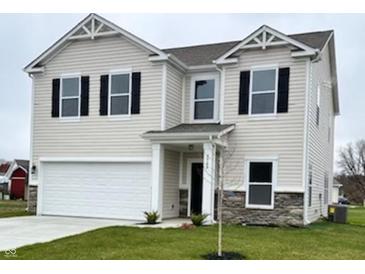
(25, 36)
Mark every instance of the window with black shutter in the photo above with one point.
(70, 96)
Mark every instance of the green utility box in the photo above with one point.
(337, 214)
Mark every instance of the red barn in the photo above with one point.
(18, 186)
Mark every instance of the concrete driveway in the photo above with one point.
(19, 231)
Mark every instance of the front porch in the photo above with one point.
(185, 164)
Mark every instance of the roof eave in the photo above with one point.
(48, 52)
(306, 50)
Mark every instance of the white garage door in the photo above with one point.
(105, 190)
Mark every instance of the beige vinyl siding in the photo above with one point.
(281, 136)
(173, 97)
(96, 135)
(320, 151)
(171, 184)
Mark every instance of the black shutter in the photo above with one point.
(56, 98)
(84, 95)
(104, 82)
(283, 90)
(136, 92)
(244, 92)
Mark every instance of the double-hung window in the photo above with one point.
(119, 93)
(70, 96)
(260, 184)
(204, 97)
(263, 91)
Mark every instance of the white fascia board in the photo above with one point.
(272, 31)
(226, 61)
(96, 159)
(91, 16)
(170, 58)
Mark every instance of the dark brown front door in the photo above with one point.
(196, 188)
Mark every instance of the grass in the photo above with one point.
(318, 241)
(322, 240)
(13, 208)
(356, 216)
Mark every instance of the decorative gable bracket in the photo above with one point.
(263, 38)
(92, 29)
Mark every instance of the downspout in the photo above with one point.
(221, 93)
(305, 139)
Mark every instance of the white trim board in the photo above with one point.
(95, 159)
(65, 40)
(265, 30)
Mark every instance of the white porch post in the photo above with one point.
(157, 178)
(209, 175)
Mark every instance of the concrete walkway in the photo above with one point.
(20, 231)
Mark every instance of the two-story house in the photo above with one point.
(120, 126)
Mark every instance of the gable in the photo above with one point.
(263, 38)
(90, 28)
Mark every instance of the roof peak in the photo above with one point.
(237, 41)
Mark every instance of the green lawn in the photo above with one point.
(13, 208)
(318, 241)
(357, 216)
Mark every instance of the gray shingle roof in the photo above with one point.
(22, 163)
(205, 54)
(192, 128)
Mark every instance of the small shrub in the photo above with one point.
(151, 217)
(198, 219)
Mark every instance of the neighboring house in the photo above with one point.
(4, 180)
(336, 191)
(120, 126)
(18, 179)
(4, 166)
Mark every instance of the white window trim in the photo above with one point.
(70, 118)
(261, 68)
(200, 77)
(274, 161)
(119, 116)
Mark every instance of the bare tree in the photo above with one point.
(225, 167)
(352, 167)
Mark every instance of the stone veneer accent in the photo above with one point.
(288, 210)
(32, 199)
(183, 198)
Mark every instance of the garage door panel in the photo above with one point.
(108, 190)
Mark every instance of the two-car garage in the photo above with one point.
(95, 189)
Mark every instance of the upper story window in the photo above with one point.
(70, 96)
(260, 184)
(263, 91)
(119, 93)
(204, 98)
